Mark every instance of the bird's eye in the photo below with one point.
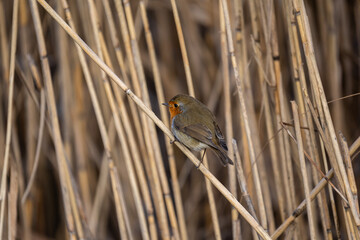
(175, 105)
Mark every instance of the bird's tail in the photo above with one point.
(222, 154)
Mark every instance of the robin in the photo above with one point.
(194, 125)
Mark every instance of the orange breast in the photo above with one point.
(173, 110)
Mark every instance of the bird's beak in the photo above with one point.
(165, 104)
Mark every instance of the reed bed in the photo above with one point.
(85, 143)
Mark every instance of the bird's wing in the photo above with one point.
(220, 137)
(198, 131)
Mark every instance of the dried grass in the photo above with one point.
(86, 142)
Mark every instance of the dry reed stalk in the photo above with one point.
(183, 48)
(304, 173)
(101, 188)
(120, 207)
(349, 223)
(212, 204)
(4, 45)
(241, 47)
(33, 155)
(278, 82)
(60, 155)
(349, 170)
(29, 87)
(25, 212)
(38, 147)
(350, 189)
(331, 196)
(12, 196)
(79, 137)
(242, 183)
(19, 182)
(281, 112)
(332, 64)
(9, 124)
(355, 148)
(228, 118)
(65, 88)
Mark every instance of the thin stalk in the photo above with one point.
(303, 170)
(241, 51)
(242, 183)
(14, 31)
(212, 203)
(66, 187)
(38, 147)
(228, 118)
(349, 170)
(4, 44)
(12, 196)
(183, 48)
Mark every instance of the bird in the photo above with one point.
(195, 126)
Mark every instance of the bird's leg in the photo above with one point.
(172, 141)
(202, 158)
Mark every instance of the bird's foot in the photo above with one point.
(202, 158)
(172, 141)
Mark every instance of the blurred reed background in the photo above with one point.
(82, 159)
